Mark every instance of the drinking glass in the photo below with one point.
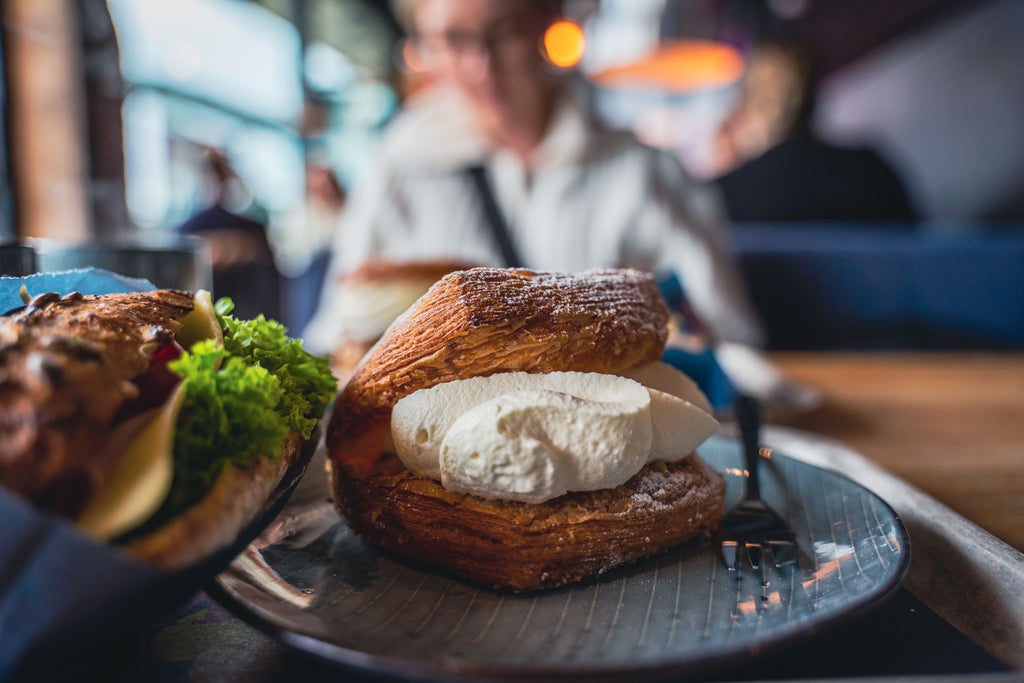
(168, 260)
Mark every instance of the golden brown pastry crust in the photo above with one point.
(524, 546)
(484, 321)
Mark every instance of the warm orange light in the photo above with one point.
(564, 44)
(411, 58)
(683, 65)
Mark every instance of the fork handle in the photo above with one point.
(748, 416)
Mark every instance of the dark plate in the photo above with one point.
(311, 583)
(59, 590)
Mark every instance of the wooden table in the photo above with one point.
(951, 424)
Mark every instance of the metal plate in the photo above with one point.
(310, 582)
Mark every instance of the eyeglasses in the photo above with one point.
(509, 40)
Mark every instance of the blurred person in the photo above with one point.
(496, 148)
(301, 239)
(772, 166)
(302, 235)
(235, 229)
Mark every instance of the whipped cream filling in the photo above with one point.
(533, 437)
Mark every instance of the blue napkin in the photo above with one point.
(85, 280)
(55, 582)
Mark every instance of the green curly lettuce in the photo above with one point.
(307, 381)
(242, 400)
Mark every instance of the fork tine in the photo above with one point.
(727, 553)
(753, 554)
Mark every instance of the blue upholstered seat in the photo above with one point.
(858, 286)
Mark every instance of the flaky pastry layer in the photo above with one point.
(523, 546)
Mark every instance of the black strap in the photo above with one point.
(495, 220)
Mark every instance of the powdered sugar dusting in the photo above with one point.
(657, 488)
(600, 294)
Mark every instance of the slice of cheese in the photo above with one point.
(142, 479)
(201, 323)
(143, 476)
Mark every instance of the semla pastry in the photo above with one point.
(515, 427)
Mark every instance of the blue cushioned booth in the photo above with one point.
(871, 286)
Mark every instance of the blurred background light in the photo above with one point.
(409, 57)
(564, 44)
(235, 53)
(328, 69)
(678, 66)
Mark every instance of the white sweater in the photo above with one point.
(589, 198)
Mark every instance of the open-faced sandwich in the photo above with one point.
(517, 428)
(150, 419)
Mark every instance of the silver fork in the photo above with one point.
(752, 527)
